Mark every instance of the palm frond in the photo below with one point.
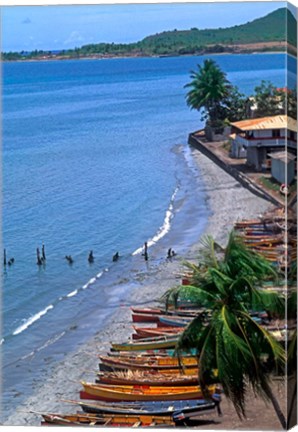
(265, 339)
(207, 253)
(189, 293)
(268, 300)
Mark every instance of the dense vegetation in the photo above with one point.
(271, 28)
(226, 282)
(219, 102)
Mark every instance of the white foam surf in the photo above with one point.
(32, 320)
(165, 228)
(43, 312)
(73, 293)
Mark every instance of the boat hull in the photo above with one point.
(96, 392)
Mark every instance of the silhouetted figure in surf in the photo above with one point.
(39, 260)
(173, 253)
(11, 261)
(43, 254)
(4, 257)
(116, 256)
(69, 259)
(91, 257)
(169, 253)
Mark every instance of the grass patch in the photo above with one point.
(272, 184)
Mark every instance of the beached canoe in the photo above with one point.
(145, 332)
(171, 321)
(159, 311)
(147, 344)
(154, 317)
(145, 378)
(188, 408)
(119, 420)
(103, 367)
(142, 393)
(153, 360)
(163, 364)
(144, 317)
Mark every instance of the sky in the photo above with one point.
(68, 26)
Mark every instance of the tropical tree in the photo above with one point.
(289, 102)
(208, 89)
(235, 105)
(268, 100)
(229, 339)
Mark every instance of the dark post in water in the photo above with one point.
(39, 261)
(43, 253)
(146, 251)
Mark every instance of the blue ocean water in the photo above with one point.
(95, 157)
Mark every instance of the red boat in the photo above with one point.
(145, 317)
(145, 332)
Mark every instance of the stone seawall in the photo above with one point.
(242, 178)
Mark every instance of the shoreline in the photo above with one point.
(227, 200)
(51, 59)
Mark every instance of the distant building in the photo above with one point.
(254, 139)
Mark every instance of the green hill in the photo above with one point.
(273, 29)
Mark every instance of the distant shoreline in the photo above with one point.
(111, 57)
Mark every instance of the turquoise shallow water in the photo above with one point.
(95, 157)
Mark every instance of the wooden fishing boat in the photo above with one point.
(164, 352)
(145, 332)
(154, 317)
(145, 378)
(147, 344)
(142, 393)
(150, 311)
(164, 321)
(188, 408)
(173, 370)
(83, 419)
(152, 360)
(144, 317)
(169, 364)
(159, 311)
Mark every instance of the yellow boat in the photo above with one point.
(141, 393)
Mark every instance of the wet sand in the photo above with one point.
(228, 201)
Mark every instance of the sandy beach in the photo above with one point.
(228, 201)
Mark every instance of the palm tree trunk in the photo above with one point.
(292, 396)
(276, 407)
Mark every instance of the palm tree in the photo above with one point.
(209, 87)
(229, 340)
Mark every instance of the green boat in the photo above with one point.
(147, 344)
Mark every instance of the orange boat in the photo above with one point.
(159, 364)
(141, 393)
